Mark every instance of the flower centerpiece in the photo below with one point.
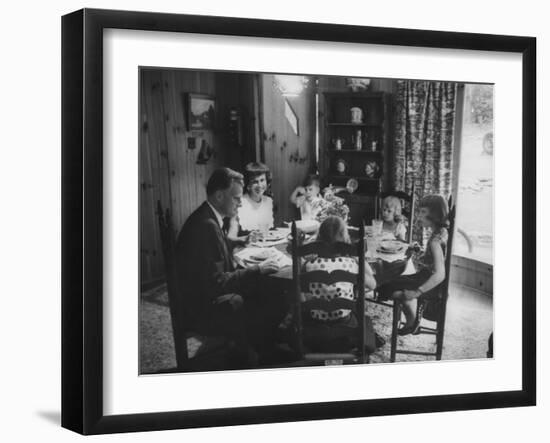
(332, 205)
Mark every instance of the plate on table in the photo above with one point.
(391, 246)
(276, 234)
(261, 255)
(272, 238)
(255, 256)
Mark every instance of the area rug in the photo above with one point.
(469, 324)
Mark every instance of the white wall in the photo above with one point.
(30, 225)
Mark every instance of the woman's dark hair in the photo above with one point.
(221, 179)
(312, 179)
(438, 210)
(255, 169)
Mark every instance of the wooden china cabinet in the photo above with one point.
(355, 146)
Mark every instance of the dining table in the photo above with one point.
(386, 263)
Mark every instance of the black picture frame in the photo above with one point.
(82, 218)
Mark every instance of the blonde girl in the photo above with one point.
(394, 221)
(329, 328)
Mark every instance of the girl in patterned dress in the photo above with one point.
(333, 230)
(430, 265)
(329, 331)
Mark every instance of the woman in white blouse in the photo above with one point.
(256, 211)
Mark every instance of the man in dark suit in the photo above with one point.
(215, 294)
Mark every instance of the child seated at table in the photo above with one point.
(332, 230)
(307, 198)
(393, 221)
(430, 265)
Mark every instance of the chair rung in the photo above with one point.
(403, 351)
(321, 357)
(430, 331)
(372, 300)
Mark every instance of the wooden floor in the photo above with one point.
(469, 323)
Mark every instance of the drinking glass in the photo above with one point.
(377, 227)
(371, 247)
(264, 229)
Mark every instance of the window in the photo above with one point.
(474, 218)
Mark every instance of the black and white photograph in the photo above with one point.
(275, 221)
(321, 221)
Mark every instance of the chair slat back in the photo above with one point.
(327, 278)
(445, 285)
(325, 250)
(449, 247)
(329, 305)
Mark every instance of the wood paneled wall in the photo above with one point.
(168, 169)
(290, 157)
(473, 274)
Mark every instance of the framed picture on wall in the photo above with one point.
(201, 112)
(122, 151)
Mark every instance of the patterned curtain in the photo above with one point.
(423, 146)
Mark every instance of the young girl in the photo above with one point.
(430, 265)
(328, 331)
(307, 198)
(334, 230)
(394, 221)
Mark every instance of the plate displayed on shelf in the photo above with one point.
(352, 185)
(341, 167)
(371, 169)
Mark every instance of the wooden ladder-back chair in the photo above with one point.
(168, 241)
(302, 280)
(434, 309)
(207, 352)
(408, 202)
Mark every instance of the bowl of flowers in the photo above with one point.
(332, 205)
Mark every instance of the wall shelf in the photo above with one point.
(354, 151)
(356, 125)
(355, 177)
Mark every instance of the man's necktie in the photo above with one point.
(225, 227)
